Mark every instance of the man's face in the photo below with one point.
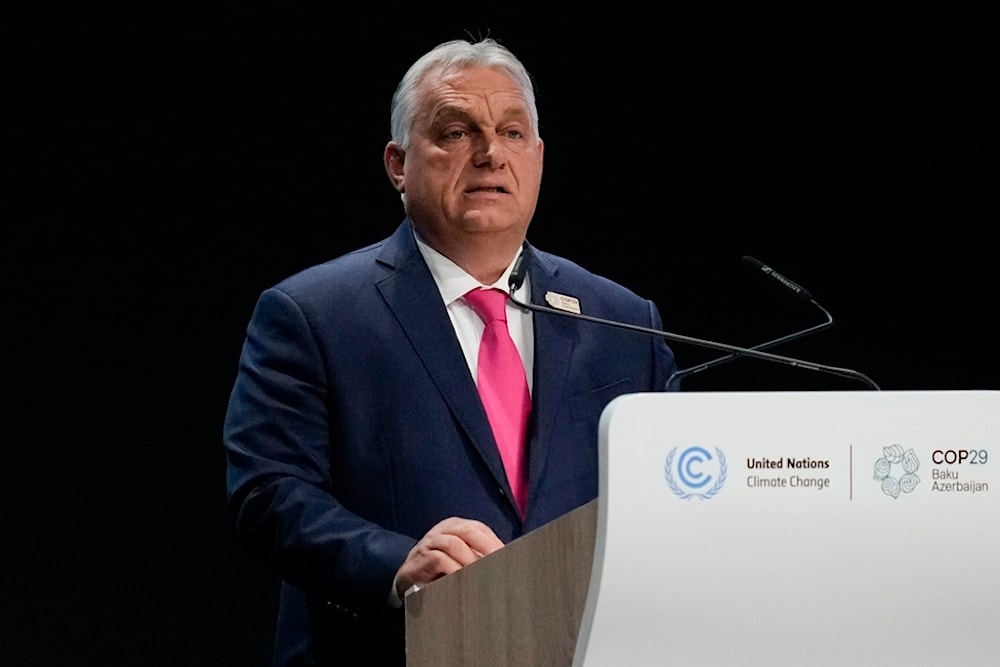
(474, 164)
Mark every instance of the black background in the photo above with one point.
(164, 167)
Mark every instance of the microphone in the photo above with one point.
(520, 271)
(797, 289)
(800, 293)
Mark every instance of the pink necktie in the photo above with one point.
(503, 388)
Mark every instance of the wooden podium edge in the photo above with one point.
(521, 605)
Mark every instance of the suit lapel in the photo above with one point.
(411, 294)
(555, 340)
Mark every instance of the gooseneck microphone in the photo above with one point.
(520, 271)
(797, 290)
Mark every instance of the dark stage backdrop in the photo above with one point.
(174, 165)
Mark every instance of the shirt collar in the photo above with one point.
(452, 281)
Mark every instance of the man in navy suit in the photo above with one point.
(360, 458)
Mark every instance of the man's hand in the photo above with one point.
(448, 546)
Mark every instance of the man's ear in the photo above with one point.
(393, 158)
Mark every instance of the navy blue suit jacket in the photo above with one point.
(354, 426)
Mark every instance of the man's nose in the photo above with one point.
(489, 152)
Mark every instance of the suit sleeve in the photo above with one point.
(277, 440)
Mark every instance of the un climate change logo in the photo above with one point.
(695, 466)
(896, 469)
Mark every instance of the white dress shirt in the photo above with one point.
(453, 282)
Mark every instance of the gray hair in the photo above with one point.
(455, 54)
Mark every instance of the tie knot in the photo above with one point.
(489, 304)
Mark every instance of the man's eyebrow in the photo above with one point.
(449, 112)
(516, 113)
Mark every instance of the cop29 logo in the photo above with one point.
(697, 473)
(896, 470)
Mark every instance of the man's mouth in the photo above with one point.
(491, 189)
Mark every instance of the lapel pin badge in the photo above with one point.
(568, 303)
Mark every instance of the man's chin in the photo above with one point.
(493, 221)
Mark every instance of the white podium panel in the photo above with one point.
(800, 528)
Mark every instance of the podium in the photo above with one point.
(761, 528)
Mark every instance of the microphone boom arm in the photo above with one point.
(684, 372)
(754, 353)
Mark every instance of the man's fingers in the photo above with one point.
(473, 535)
(447, 547)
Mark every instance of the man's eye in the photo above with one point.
(514, 134)
(455, 134)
